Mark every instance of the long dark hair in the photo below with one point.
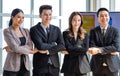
(70, 29)
(14, 12)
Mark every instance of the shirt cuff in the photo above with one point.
(48, 52)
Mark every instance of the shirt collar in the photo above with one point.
(44, 27)
(104, 27)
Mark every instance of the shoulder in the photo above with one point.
(113, 28)
(35, 26)
(65, 32)
(6, 30)
(54, 27)
(26, 29)
(95, 29)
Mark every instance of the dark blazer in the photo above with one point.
(77, 57)
(108, 45)
(53, 44)
(12, 62)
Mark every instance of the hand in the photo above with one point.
(64, 52)
(43, 51)
(8, 49)
(93, 50)
(114, 53)
(34, 51)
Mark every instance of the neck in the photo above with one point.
(15, 27)
(75, 30)
(103, 25)
(45, 24)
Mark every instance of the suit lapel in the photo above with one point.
(16, 38)
(107, 33)
(50, 33)
(41, 30)
(98, 30)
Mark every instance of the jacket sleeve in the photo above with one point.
(114, 46)
(75, 49)
(53, 47)
(91, 39)
(12, 42)
(37, 40)
(111, 43)
(60, 44)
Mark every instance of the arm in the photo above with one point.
(75, 49)
(12, 42)
(37, 40)
(112, 46)
(60, 44)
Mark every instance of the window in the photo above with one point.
(9, 5)
(117, 5)
(74, 5)
(105, 3)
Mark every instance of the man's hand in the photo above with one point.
(43, 51)
(64, 52)
(94, 50)
(114, 53)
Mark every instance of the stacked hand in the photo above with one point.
(43, 51)
(34, 51)
(64, 52)
(94, 50)
(8, 49)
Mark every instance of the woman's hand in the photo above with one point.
(8, 49)
(34, 51)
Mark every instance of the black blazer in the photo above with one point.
(109, 44)
(53, 44)
(77, 57)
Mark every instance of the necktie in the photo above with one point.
(103, 31)
(47, 34)
(104, 63)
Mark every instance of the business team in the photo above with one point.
(74, 43)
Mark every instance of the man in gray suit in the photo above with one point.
(104, 47)
(48, 40)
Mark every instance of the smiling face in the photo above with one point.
(18, 19)
(76, 22)
(46, 16)
(103, 18)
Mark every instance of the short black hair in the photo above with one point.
(44, 7)
(102, 9)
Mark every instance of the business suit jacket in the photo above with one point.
(77, 59)
(12, 62)
(54, 43)
(108, 45)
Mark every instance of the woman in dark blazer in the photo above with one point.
(76, 43)
(19, 46)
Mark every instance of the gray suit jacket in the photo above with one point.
(12, 62)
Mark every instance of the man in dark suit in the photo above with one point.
(48, 40)
(104, 47)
